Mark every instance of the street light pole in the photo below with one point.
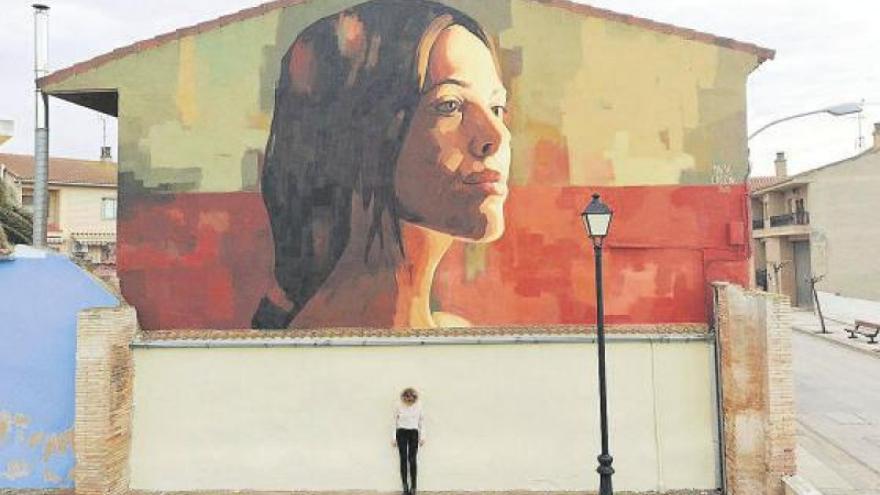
(605, 470)
(597, 220)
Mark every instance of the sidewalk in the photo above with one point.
(808, 322)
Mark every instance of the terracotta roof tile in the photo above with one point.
(543, 330)
(62, 170)
(760, 52)
(756, 183)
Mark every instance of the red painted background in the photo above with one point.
(204, 260)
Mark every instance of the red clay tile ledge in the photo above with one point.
(762, 53)
(246, 334)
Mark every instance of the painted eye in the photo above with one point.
(499, 110)
(448, 107)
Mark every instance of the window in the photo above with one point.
(27, 201)
(108, 208)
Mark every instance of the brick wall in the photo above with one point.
(104, 377)
(754, 344)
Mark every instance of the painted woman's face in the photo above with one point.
(453, 167)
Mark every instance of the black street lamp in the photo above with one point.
(597, 220)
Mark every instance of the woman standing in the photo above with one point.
(409, 433)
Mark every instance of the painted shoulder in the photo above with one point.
(449, 320)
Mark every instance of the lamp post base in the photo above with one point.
(605, 471)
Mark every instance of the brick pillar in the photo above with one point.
(757, 388)
(102, 427)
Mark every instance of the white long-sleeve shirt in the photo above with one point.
(410, 418)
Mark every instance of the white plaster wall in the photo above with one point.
(844, 214)
(499, 417)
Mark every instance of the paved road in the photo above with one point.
(838, 409)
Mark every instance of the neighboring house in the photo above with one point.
(819, 223)
(82, 203)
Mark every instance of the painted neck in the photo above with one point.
(387, 287)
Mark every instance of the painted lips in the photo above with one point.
(488, 181)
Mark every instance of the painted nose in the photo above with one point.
(488, 134)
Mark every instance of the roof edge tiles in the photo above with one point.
(761, 53)
(634, 329)
(62, 171)
(758, 183)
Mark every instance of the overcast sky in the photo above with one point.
(827, 52)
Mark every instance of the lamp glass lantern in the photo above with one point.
(597, 220)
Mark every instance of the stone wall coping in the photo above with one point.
(424, 333)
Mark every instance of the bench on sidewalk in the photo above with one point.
(866, 328)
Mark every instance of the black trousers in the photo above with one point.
(408, 447)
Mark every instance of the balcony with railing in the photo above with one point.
(795, 218)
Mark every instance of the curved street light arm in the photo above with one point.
(790, 117)
(835, 110)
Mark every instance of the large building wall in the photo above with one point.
(651, 116)
(843, 216)
(499, 417)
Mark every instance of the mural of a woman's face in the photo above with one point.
(452, 170)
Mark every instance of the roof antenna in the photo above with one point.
(106, 153)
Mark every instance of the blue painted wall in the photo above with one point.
(40, 295)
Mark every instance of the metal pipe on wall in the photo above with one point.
(41, 126)
(721, 458)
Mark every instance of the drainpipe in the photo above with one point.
(719, 394)
(41, 126)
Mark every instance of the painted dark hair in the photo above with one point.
(348, 88)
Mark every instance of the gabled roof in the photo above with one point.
(869, 151)
(62, 170)
(760, 184)
(761, 53)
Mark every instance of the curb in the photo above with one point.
(875, 354)
(796, 485)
